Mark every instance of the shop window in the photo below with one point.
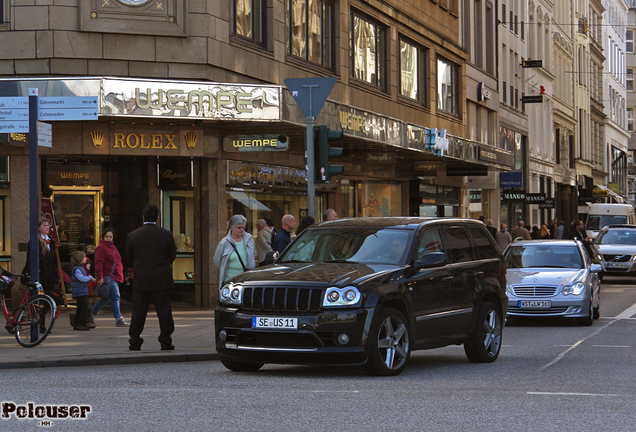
(250, 19)
(412, 70)
(178, 218)
(446, 86)
(77, 213)
(368, 51)
(379, 200)
(272, 206)
(311, 31)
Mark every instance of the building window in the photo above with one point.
(629, 41)
(512, 27)
(311, 31)
(629, 79)
(503, 14)
(412, 70)
(630, 119)
(503, 87)
(512, 96)
(446, 86)
(369, 52)
(523, 31)
(516, 26)
(249, 19)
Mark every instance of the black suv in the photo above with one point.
(368, 291)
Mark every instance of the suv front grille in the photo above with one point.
(280, 299)
(623, 258)
(534, 291)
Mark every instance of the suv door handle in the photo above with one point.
(480, 273)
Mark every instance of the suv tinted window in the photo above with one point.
(458, 245)
(431, 242)
(485, 249)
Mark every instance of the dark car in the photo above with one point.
(368, 291)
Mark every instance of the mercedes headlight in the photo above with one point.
(347, 296)
(231, 295)
(576, 289)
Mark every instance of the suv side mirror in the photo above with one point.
(270, 257)
(433, 259)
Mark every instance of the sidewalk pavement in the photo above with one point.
(106, 344)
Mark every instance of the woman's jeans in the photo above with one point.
(113, 300)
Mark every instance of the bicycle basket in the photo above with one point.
(5, 284)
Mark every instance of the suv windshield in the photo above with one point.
(617, 237)
(543, 256)
(597, 222)
(360, 245)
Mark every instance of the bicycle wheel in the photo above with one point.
(35, 321)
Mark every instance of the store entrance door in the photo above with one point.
(77, 218)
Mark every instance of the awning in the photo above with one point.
(619, 199)
(250, 203)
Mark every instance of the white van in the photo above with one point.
(602, 215)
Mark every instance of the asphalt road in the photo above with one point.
(551, 375)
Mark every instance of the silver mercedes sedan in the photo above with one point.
(552, 278)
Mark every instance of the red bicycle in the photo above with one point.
(33, 320)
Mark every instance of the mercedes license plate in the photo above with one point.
(535, 304)
(275, 323)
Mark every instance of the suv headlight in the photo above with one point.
(576, 289)
(347, 296)
(231, 294)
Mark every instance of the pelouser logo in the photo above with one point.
(33, 411)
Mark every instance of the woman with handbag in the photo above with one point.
(235, 252)
(108, 272)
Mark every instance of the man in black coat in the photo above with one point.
(152, 250)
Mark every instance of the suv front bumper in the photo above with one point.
(315, 341)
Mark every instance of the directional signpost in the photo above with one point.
(14, 114)
(21, 114)
(310, 94)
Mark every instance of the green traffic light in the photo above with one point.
(324, 170)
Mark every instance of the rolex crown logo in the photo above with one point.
(98, 138)
(191, 140)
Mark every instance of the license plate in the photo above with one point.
(535, 304)
(616, 265)
(275, 323)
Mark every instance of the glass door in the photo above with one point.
(178, 218)
(77, 212)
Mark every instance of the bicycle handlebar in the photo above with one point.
(25, 279)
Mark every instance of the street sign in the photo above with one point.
(532, 99)
(14, 114)
(45, 135)
(310, 93)
(14, 102)
(58, 114)
(531, 63)
(67, 102)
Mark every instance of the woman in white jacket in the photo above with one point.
(235, 252)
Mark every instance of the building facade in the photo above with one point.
(194, 116)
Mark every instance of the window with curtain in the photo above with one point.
(311, 31)
(368, 51)
(446, 86)
(409, 70)
(249, 19)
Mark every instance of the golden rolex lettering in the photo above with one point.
(156, 141)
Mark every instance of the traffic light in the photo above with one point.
(323, 169)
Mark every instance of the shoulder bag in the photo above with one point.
(239, 256)
(103, 290)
